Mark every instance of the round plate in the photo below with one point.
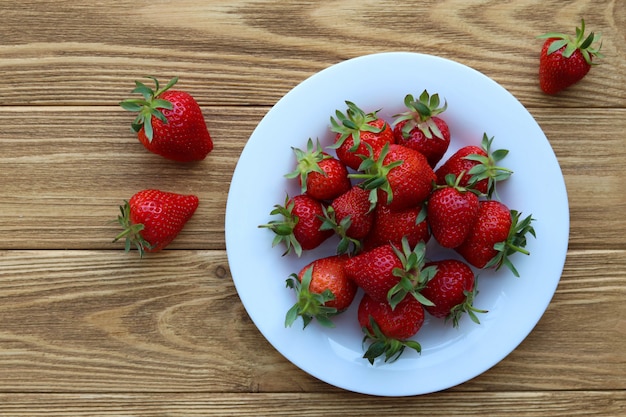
(450, 356)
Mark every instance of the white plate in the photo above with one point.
(476, 104)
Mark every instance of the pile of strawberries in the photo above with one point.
(385, 193)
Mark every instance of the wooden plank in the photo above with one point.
(66, 169)
(97, 321)
(248, 53)
(513, 404)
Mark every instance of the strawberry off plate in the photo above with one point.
(450, 356)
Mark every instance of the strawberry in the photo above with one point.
(397, 176)
(299, 228)
(321, 176)
(480, 166)
(151, 219)
(354, 131)
(452, 291)
(452, 211)
(388, 274)
(170, 122)
(421, 129)
(496, 234)
(350, 217)
(389, 330)
(322, 291)
(391, 226)
(564, 60)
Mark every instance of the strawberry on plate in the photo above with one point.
(397, 176)
(151, 219)
(451, 290)
(421, 128)
(322, 290)
(299, 226)
(391, 226)
(321, 176)
(388, 273)
(170, 122)
(356, 132)
(349, 217)
(564, 60)
(452, 211)
(479, 166)
(389, 330)
(497, 233)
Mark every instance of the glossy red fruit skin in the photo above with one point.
(163, 215)
(391, 226)
(373, 271)
(329, 274)
(185, 137)
(307, 231)
(557, 72)
(354, 203)
(401, 323)
(451, 215)
(331, 184)
(447, 288)
(432, 148)
(411, 182)
(491, 227)
(457, 164)
(352, 159)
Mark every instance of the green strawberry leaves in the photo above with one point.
(149, 106)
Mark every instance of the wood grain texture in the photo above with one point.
(451, 404)
(86, 330)
(250, 52)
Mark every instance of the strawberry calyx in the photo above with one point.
(515, 242)
(374, 174)
(420, 115)
(148, 106)
(131, 232)
(571, 45)
(351, 124)
(382, 345)
(454, 181)
(309, 305)
(308, 162)
(283, 228)
(413, 276)
(488, 168)
(467, 306)
(346, 243)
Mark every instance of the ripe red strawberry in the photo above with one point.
(354, 131)
(153, 218)
(389, 330)
(452, 211)
(397, 176)
(391, 226)
(321, 176)
(322, 291)
(564, 60)
(350, 217)
(421, 129)
(388, 274)
(299, 227)
(170, 122)
(496, 234)
(452, 291)
(479, 165)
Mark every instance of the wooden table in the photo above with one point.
(88, 330)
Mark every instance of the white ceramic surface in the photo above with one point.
(450, 356)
